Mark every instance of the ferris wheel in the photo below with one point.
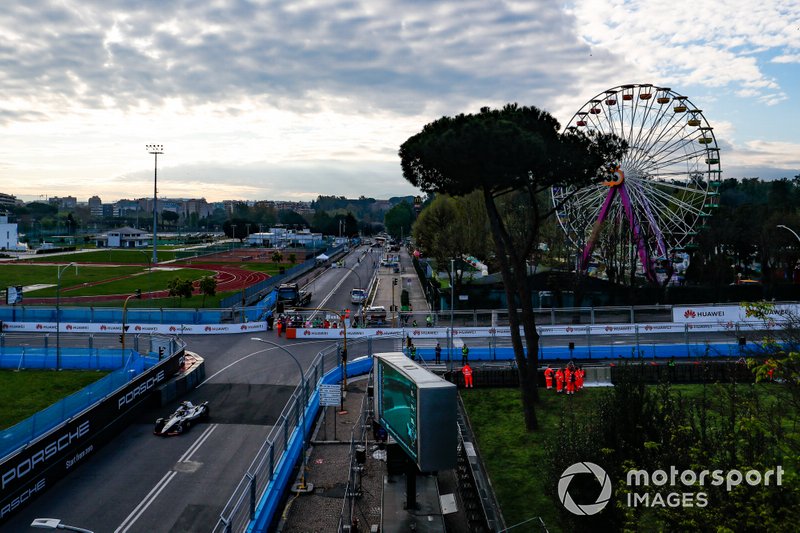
(656, 199)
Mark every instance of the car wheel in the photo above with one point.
(159, 425)
(187, 424)
(206, 413)
(179, 429)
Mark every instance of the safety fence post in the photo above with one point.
(252, 495)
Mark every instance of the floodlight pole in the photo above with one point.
(302, 487)
(155, 149)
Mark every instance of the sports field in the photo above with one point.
(106, 277)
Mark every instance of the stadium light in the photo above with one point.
(155, 149)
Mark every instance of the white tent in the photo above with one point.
(322, 257)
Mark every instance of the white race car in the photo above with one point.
(182, 419)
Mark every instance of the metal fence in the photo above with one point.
(132, 363)
(240, 509)
(358, 437)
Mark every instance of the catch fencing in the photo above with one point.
(15, 353)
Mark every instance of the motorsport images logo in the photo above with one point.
(602, 498)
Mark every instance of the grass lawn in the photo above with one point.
(17, 274)
(515, 459)
(109, 255)
(25, 393)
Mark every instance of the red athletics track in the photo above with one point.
(229, 278)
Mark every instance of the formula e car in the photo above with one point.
(182, 419)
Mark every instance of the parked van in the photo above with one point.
(357, 296)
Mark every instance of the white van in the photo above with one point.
(358, 296)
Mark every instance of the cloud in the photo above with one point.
(318, 95)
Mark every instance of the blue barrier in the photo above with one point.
(70, 358)
(616, 351)
(19, 435)
(273, 496)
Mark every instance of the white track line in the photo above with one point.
(144, 504)
(199, 442)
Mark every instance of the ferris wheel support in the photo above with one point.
(618, 188)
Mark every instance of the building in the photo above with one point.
(126, 208)
(7, 201)
(124, 237)
(9, 236)
(279, 237)
(64, 202)
(95, 206)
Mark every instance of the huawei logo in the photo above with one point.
(689, 314)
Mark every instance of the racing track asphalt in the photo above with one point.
(143, 483)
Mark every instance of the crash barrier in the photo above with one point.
(38, 451)
(189, 376)
(231, 310)
(71, 351)
(113, 315)
(127, 367)
(269, 504)
(133, 328)
(256, 498)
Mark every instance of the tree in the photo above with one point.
(293, 258)
(169, 218)
(182, 288)
(511, 152)
(449, 228)
(398, 220)
(277, 257)
(208, 287)
(239, 228)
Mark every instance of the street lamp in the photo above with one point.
(55, 523)
(155, 150)
(790, 229)
(60, 270)
(344, 335)
(137, 294)
(302, 486)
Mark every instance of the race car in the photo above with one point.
(182, 419)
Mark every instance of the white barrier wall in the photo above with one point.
(414, 333)
(691, 314)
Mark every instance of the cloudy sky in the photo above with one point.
(289, 99)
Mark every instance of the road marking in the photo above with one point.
(145, 503)
(226, 367)
(199, 442)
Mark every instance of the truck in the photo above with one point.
(291, 295)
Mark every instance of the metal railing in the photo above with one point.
(240, 508)
(353, 488)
